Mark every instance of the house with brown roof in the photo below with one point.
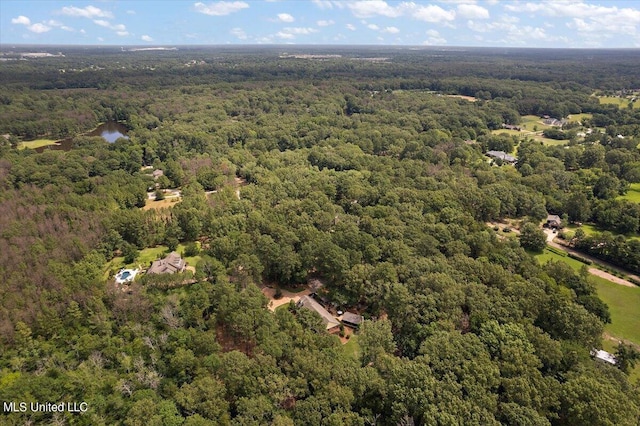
(171, 264)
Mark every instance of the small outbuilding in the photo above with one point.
(352, 320)
(604, 356)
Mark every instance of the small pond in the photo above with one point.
(109, 131)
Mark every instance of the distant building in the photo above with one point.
(554, 122)
(157, 173)
(604, 356)
(352, 320)
(332, 325)
(506, 158)
(169, 265)
(554, 221)
(511, 127)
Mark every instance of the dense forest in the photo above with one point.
(365, 171)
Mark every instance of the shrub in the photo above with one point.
(580, 259)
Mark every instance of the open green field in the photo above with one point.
(352, 348)
(616, 100)
(589, 229)
(550, 142)
(624, 305)
(633, 194)
(532, 122)
(547, 255)
(37, 143)
(508, 132)
(572, 228)
(580, 117)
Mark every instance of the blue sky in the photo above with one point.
(534, 23)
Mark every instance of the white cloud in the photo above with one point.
(299, 30)
(102, 23)
(326, 4)
(120, 29)
(220, 8)
(146, 38)
(286, 36)
(290, 33)
(39, 28)
(86, 12)
(373, 27)
(351, 27)
(324, 23)
(131, 12)
(82, 31)
(432, 13)
(238, 33)
(434, 39)
(472, 11)
(21, 20)
(391, 30)
(285, 17)
(58, 24)
(369, 8)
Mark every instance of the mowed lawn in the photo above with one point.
(624, 305)
(36, 143)
(547, 255)
(616, 100)
(633, 194)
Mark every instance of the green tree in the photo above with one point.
(532, 238)
(626, 357)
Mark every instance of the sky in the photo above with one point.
(515, 23)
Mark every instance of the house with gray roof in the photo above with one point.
(352, 320)
(506, 158)
(331, 323)
(554, 221)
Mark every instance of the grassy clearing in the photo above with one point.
(588, 229)
(38, 143)
(167, 203)
(612, 100)
(550, 142)
(571, 229)
(580, 117)
(532, 122)
(633, 194)
(352, 348)
(547, 255)
(624, 305)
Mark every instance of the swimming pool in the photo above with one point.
(126, 275)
